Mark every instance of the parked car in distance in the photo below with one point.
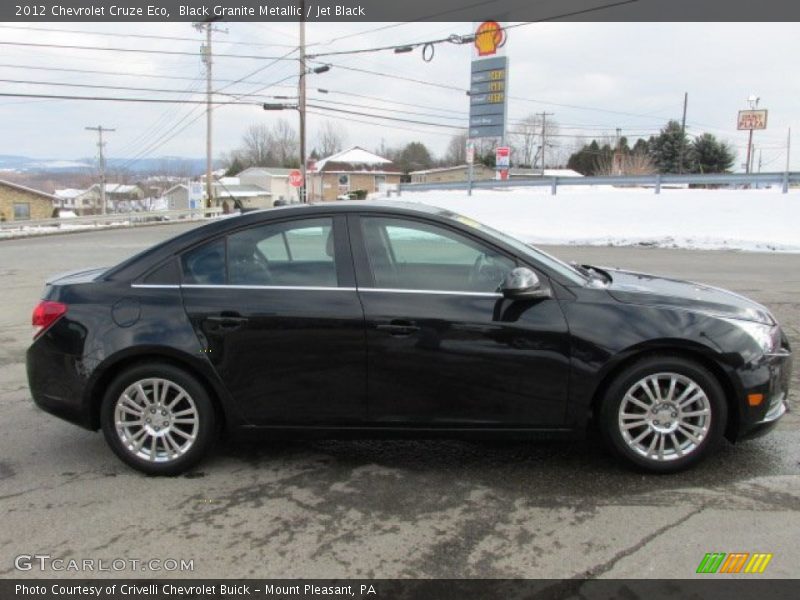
(395, 319)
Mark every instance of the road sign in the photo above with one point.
(752, 119)
(502, 157)
(470, 152)
(488, 100)
(295, 178)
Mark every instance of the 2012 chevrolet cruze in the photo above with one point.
(396, 319)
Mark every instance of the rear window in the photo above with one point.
(205, 264)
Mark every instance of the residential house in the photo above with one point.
(21, 203)
(482, 172)
(177, 197)
(119, 197)
(66, 198)
(450, 174)
(273, 179)
(236, 194)
(351, 170)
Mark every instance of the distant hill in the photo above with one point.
(26, 164)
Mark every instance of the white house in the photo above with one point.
(273, 179)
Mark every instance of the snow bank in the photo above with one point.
(752, 220)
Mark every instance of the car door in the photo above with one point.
(276, 312)
(444, 348)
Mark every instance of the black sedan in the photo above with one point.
(370, 319)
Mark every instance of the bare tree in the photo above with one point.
(330, 139)
(457, 150)
(633, 163)
(285, 144)
(257, 147)
(526, 140)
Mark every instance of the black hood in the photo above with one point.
(641, 288)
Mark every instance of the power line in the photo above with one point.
(119, 99)
(138, 36)
(113, 73)
(460, 39)
(134, 50)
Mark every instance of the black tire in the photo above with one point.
(168, 461)
(622, 441)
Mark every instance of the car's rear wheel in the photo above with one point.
(664, 414)
(158, 419)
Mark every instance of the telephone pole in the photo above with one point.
(683, 132)
(206, 52)
(544, 116)
(301, 105)
(102, 162)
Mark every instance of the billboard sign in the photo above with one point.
(752, 119)
(488, 100)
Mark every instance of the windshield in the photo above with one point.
(527, 250)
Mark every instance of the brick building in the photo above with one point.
(20, 203)
(349, 171)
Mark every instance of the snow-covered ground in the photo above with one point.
(753, 220)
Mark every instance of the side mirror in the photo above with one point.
(522, 283)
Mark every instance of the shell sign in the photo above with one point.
(489, 37)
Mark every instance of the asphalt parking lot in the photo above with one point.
(385, 509)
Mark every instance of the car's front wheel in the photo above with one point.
(158, 419)
(664, 414)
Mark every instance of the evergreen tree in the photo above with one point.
(666, 148)
(583, 160)
(415, 157)
(711, 155)
(236, 167)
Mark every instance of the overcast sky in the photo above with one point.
(594, 77)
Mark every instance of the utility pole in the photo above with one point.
(102, 161)
(206, 52)
(683, 132)
(301, 104)
(544, 116)
(788, 148)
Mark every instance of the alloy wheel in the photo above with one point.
(156, 420)
(664, 416)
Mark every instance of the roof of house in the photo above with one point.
(445, 169)
(68, 193)
(268, 171)
(116, 188)
(239, 190)
(356, 160)
(24, 188)
(175, 187)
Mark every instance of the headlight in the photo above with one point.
(768, 337)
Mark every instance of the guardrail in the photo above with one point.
(656, 181)
(116, 219)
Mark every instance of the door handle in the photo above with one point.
(227, 321)
(398, 327)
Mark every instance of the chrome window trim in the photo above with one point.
(311, 288)
(314, 288)
(437, 292)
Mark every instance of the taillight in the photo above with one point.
(45, 314)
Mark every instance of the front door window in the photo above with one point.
(412, 255)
